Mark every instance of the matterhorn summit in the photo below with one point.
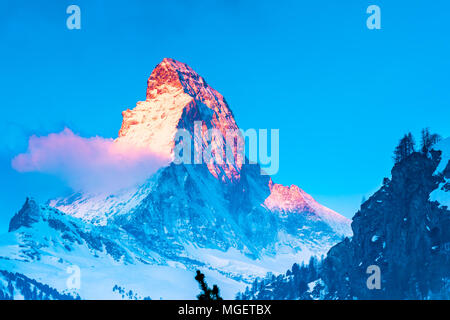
(177, 97)
(228, 219)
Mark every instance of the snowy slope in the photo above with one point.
(444, 147)
(97, 208)
(47, 242)
(442, 193)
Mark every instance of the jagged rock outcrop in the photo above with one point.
(403, 232)
(402, 229)
(27, 215)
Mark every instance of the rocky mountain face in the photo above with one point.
(402, 229)
(403, 232)
(224, 218)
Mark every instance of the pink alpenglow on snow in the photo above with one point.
(89, 164)
(177, 97)
(291, 200)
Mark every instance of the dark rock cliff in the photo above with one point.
(403, 233)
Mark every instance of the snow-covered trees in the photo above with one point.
(289, 286)
(20, 286)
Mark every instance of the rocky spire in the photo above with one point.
(177, 97)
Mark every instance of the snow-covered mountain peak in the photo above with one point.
(176, 75)
(287, 198)
(292, 199)
(177, 97)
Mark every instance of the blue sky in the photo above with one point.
(341, 95)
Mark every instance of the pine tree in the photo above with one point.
(207, 293)
(312, 271)
(295, 268)
(405, 148)
(429, 140)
